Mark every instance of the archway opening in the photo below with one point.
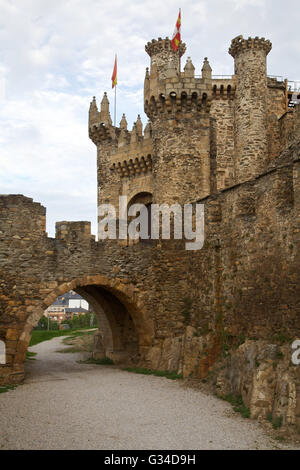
(125, 327)
(144, 198)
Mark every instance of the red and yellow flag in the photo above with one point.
(177, 34)
(114, 75)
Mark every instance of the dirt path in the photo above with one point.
(66, 405)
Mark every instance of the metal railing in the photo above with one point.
(279, 78)
(217, 77)
(221, 77)
(293, 86)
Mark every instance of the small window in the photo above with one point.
(2, 352)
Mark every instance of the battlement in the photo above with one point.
(21, 218)
(133, 154)
(223, 88)
(133, 167)
(160, 45)
(171, 91)
(100, 123)
(73, 232)
(240, 45)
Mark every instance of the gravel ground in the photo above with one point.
(66, 405)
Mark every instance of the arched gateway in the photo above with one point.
(37, 269)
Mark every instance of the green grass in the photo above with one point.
(277, 422)
(77, 334)
(30, 356)
(105, 361)
(38, 336)
(69, 350)
(6, 388)
(237, 403)
(158, 373)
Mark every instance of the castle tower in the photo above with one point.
(251, 147)
(165, 62)
(178, 106)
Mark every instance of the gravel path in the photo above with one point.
(66, 405)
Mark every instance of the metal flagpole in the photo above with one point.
(115, 105)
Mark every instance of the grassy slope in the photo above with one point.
(38, 336)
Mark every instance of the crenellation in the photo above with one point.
(206, 70)
(239, 45)
(74, 232)
(21, 218)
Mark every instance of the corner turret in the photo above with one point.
(164, 60)
(251, 143)
(206, 69)
(167, 89)
(178, 106)
(100, 123)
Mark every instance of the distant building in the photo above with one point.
(66, 306)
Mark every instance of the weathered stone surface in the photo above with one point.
(229, 144)
(266, 379)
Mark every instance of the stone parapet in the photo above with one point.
(240, 45)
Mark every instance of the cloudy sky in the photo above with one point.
(55, 55)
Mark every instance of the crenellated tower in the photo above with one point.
(205, 133)
(178, 106)
(251, 111)
(124, 158)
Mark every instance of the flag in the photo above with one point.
(114, 75)
(177, 36)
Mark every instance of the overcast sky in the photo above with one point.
(55, 55)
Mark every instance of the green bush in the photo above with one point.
(238, 404)
(158, 373)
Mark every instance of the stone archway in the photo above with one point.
(120, 313)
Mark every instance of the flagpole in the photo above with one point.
(114, 85)
(115, 113)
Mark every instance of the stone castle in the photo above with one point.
(230, 143)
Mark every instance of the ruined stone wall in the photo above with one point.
(276, 107)
(289, 127)
(223, 111)
(253, 255)
(122, 280)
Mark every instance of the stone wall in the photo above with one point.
(223, 112)
(289, 127)
(276, 107)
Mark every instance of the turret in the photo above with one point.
(123, 123)
(189, 69)
(139, 126)
(104, 114)
(178, 105)
(251, 147)
(94, 115)
(164, 60)
(206, 69)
